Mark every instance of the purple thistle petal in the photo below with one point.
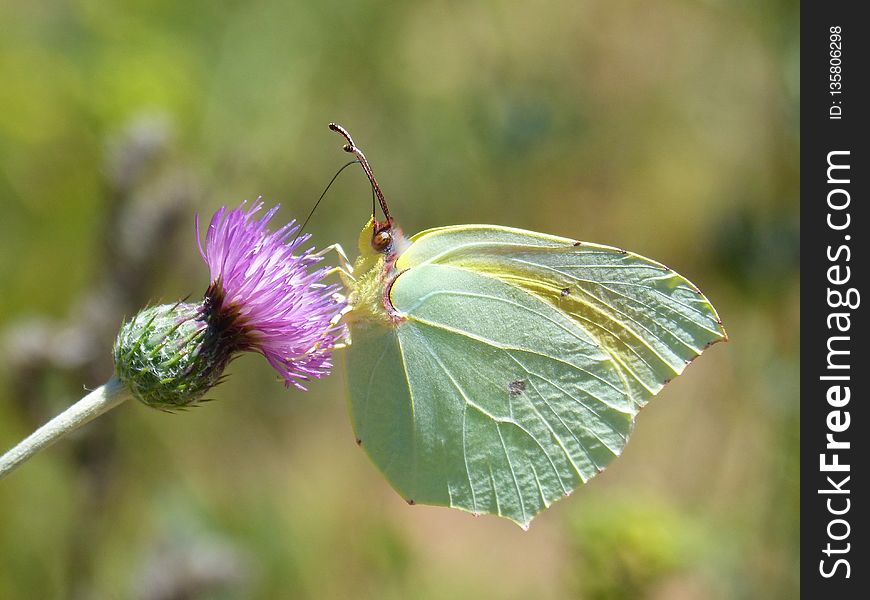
(263, 283)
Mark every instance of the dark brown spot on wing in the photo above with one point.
(516, 387)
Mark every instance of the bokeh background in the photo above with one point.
(669, 127)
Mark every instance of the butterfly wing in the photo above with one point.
(517, 364)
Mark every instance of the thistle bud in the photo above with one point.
(168, 356)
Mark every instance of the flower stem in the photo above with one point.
(99, 401)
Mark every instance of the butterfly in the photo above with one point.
(494, 370)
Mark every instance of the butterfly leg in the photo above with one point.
(345, 268)
(344, 341)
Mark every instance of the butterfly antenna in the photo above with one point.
(352, 148)
(322, 196)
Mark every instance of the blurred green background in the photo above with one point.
(669, 127)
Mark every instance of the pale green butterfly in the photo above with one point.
(494, 369)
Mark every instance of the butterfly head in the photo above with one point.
(381, 237)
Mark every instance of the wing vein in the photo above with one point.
(494, 344)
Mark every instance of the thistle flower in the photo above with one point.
(266, 292)
(265, 296)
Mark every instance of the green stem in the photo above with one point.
(99, 401)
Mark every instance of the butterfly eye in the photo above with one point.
(382, 240)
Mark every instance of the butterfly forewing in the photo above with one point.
(652, 321)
